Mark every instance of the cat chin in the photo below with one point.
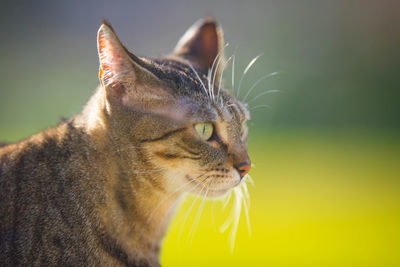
(211, 192)
(214, 194)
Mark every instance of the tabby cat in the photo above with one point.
(100, 188)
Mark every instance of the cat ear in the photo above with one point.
(116, 72)
(201, 43)
(123, 78)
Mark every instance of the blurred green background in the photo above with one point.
(326, 154)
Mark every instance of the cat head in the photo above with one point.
(185, 129)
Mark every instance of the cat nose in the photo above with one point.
(243, 168)
(241, 160)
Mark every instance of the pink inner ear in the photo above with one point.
(125, 81)
(115, 70)
(207, 46)
(110, 55)
(201, 43)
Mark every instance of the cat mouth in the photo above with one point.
(218, 192)
(211, 192)
(207, 189)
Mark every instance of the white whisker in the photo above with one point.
(245, 71)
(162, 201)
(246, 205)
(209, 81)
(245, 190)
(240, 197)
(187, 213)
(227, 199)
(257, 82)
(222, 73)
(197, 75)
(220, 59)
(199, 212)
(260, 106)
(233, 74)
(233, 219)
(214, 69)
(263, 93)
(251, 181)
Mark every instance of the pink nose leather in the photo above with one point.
(243, 168)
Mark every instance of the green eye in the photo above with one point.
(204, 129)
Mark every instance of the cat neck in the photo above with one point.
(137, 213)
(130, 229)
(138, 207)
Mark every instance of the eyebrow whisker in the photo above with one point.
(263, 93)
(198, 77)
(245, 71)
(257, 82)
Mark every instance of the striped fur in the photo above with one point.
(100, 188)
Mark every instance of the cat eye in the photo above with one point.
(204, 130)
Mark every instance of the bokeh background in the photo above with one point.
(326, 153)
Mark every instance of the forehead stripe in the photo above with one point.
(235, 109)
(219, 111)
(242, 112)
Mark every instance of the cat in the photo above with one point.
(101, 188)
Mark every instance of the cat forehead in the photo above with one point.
(181, 73)
(191, 88)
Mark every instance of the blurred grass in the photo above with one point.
(322, 198)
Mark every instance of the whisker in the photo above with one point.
(251, 181)
(227, 199)
(198, 77)
(246, 191)
(162, 201)
(233, 69)
(228, 222)
(222, 73)
(233, 219)
(257, 82)
(220, 59)
(199, 212)
(213, 70)
(246, 205)
(233, 74)
(245, 71)
(187, 213)
(260, 106)
(209, 80)
(237, 212)
(263, 93)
